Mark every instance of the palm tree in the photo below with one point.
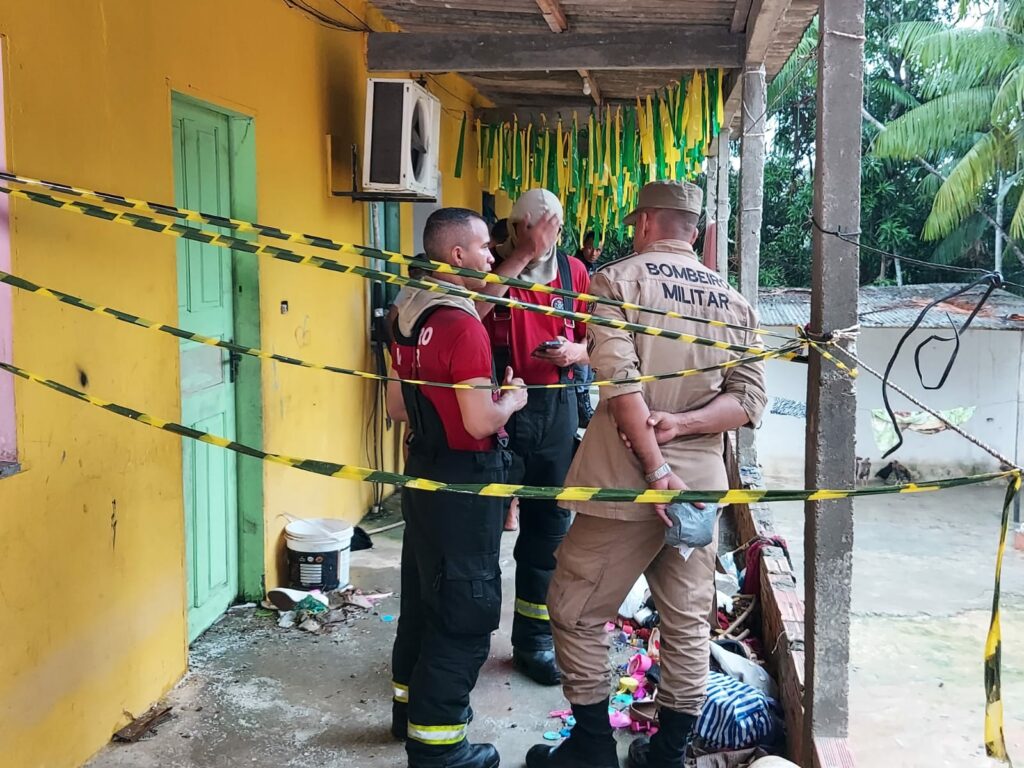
(970, 122)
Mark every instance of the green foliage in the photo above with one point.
(969, 121)
(949, 93)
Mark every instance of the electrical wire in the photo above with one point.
(447, 90)
(322, 18)
(354, 15)
(992, 281)
(853, 239)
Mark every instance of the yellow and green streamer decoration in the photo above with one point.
(597, 165)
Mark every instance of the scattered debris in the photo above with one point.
(285, 599)
(144, 724)
(318, 612)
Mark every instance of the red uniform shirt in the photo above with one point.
(452, 347)
(523, 331)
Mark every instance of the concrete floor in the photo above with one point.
(922, 596)
(261, 696)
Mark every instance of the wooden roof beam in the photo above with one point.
(590, 84)
(557, 22)
(762, 19)
(741, 15)
(554, 15)
(685, 47)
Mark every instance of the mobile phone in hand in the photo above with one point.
(546, 345)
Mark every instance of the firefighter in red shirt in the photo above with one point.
(542, 350)
(451, 581)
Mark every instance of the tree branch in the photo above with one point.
(936, 172)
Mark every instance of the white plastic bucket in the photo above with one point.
(319, 553)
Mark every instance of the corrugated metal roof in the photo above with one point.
(899, 307)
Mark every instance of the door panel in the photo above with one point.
(202, 169)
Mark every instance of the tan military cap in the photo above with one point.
(677, 195)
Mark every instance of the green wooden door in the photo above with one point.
(202, 181)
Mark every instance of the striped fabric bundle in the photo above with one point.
(735, 715)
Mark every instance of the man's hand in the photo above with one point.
(673, 483)
(569, 353)
(670, 482)
(667, 427)
(515, 397)
(535, 239)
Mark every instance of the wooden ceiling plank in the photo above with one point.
(663, 48)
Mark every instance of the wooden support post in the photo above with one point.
(752, 149)
(831, 397)
(722, 204)
(710, 253)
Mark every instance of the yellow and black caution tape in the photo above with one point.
(819, 347)
(233, 243)
(251, 227)
(995, 743)
(575, 493)
(787, 352)
(995, 740)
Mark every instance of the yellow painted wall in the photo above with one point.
(92, 582)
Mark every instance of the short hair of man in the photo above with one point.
(670, 221)
(587, 237)
(445, 229)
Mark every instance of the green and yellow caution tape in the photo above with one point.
(503, 490)
(233, 243)
(265, 230)
(995, 740)
(786, 352)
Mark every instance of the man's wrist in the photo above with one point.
(660, 472)
(681, 422)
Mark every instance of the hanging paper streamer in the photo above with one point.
(597, 172)
(462, 148)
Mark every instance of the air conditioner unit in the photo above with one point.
(403, 128)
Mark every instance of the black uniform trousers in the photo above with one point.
(451, 594)
(541, 438)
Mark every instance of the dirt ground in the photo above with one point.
(258, 695)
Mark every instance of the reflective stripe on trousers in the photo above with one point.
(532, 610)
(401, 692)
(438, 735)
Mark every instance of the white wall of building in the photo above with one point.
(987, 374)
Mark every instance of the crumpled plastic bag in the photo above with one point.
(691, 527)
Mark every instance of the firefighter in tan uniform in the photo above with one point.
(664, 434)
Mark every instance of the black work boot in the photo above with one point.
(462, 755)
(399, 719)
(667, 747)
(590, 743)
(539, 666)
